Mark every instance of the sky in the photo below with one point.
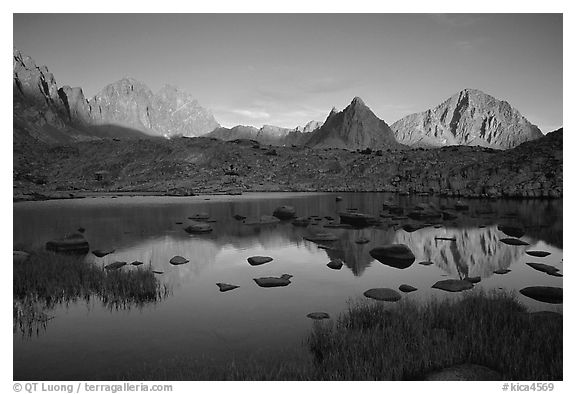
(288, 69)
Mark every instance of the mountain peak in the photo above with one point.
(357, 102)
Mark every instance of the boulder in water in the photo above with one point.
(285, 212)
(548, 269)
(407, 288)
(426, 263)
(410, 228)
(514, 242)
(178, 260)
(335, 264)
(226, 287)
(137, 263)
(453, 285)
(550, 295)
(72, 243)
(301, 222)
(271, 281)
(502, 271)
(198, 228)
(259, 260)
(318, 315)
(358, 219)
(537, 253)
(102, 253)
(512, 231)
(473, 279)
(396, 255)
(383, 294)
(239, 217)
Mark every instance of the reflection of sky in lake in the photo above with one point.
(197, 320)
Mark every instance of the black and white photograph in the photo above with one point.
(313, 196)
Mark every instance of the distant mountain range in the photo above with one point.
(129, 109)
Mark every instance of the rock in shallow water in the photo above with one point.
(259, 260)
(512, 231)
(550, 295)
(284, 212)
(383, 294)
(71, 243)
(502, 271)
(226, 287)
(407, 288)
(473, 279)
(271, 281)
(397, 255)
(198, 228)
(178, 260)
(358, 219)
(537, 253)
(318, 315)
(453, 285)
(102, 253)
(514, 242)
(426, 263)
(137, 263)
(335, 264)
(548, 269)
(321, 237)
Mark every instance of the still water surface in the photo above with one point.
(196, 320)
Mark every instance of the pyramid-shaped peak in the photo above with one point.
(357, 101)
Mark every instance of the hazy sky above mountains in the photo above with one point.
(287, 69)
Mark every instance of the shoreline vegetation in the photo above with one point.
(474, 336)
(46, 280)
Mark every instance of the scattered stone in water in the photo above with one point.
(239, 217)
(407, 288)
(318, 315)
(178, 222)
(445, 238)
(512, 231)
(473, 279)
(19, 256)
(426, 263)
(102, 253)
(226, 287)
(264, 219)
(397, 255)
(269, 281)
(464, 372)
(537, 253)
(71, 243)
(514, 242)
(335, 264)
(453, 285)
(329, 218)
(362, 240)
(424, 215)
(301, 222)
(259, 260)
(284, 212)
(383, 294)
(158, 272)
(358, 219)
(200, 216)
(548, 269)
(410, 228)
(482, 226)
(178, 260)
(137, 263)
(502, 271)
(550, 295)
(321, 237)
(115, 265)
(198, 228)
(438, 226)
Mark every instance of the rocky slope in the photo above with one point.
(203, 165)
(267, 134)
(470, 117)
(123, 109)
(355, 127)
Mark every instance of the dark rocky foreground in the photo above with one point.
(184, 166)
